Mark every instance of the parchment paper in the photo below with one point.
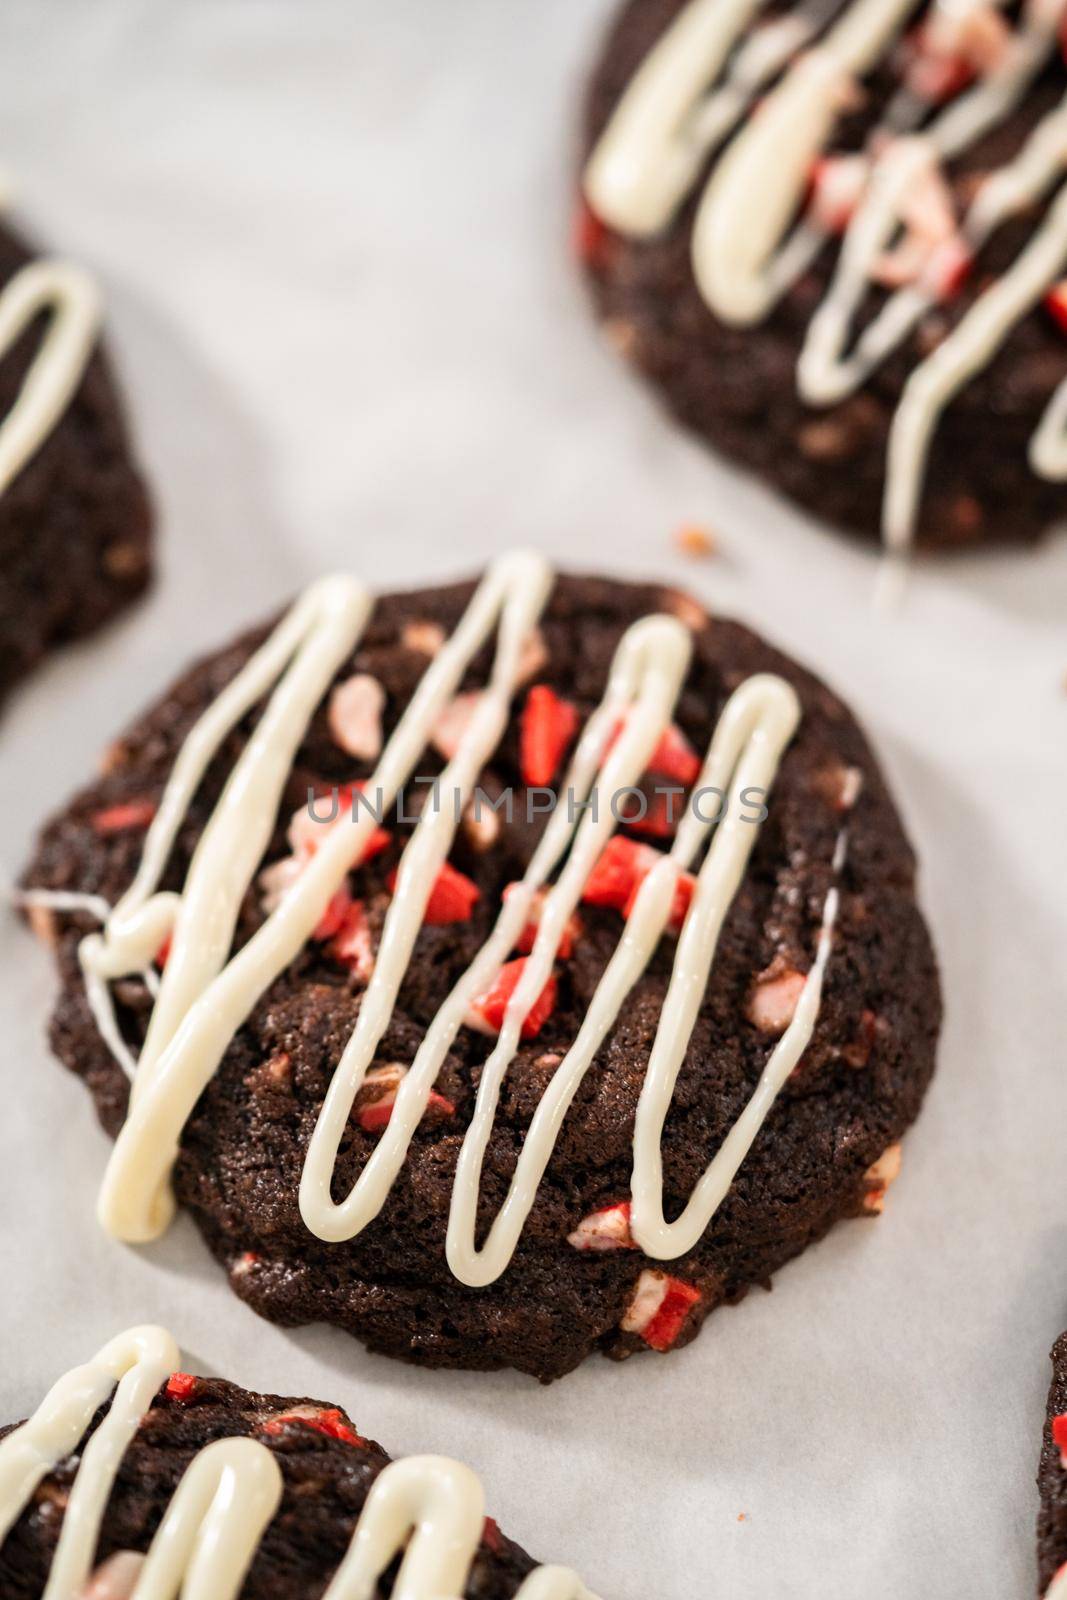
(333, 238)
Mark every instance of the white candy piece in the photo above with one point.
(355, 716)
(879, 1175)
(773, 1001)
(604, 1230)
(116, 1578)
(648, 1297)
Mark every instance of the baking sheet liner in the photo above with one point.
(333, 239)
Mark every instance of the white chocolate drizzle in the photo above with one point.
(1048, 451)
(428, 1510)
(745, 258)
(71, 299)
(204, 998)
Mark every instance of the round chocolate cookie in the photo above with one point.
(291, 1497)
(1052, 1482)
(822, 973)
(74, 514)
(834, 239)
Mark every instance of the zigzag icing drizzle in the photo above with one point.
(689, 96)
(71, 297)
(204, 998)
(428, 1509)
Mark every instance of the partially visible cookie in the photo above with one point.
(835, 240)
(74, 513)
(297, 1476)
(1052, 1483)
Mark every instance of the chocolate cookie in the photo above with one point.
(74, 514)
(312, 1102)
(834, 237)
(254, 1494)
(1052, 1483)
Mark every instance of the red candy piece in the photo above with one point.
(837, 185)
(660, 816)
(335, 916)
(351, 944)
(1056, 304)
(950, 267)
(675, 758)
(128, 814)
(307, 832)
(492, 1537)
(379, 838)
(375, 1117)
(328, 1422)
(181, 1386)
(680, 1298)
(621, 866)
(547, 728)
(683, 896)
(452, 898)
(163, 953)
(487, 1010)
(572, 928)
(1059, 1435)
(619, 873)
(591, 238)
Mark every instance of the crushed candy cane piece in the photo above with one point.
(492, 1537)
(377, 1097)
(116, 1578)
(591, 238)
(1056, 304)
(182, 1387)
(124, 817)
(837, 186)
(608, 1229)
(453, 722)
(355, 716)
(620, 870)
(659, 1309)
(452, 898)
(773, 1000)
(425, 638)
(673, 757)
(311, 825)
(879, 1175)
(572, 928)
(546, 729)
(352, 944)
(485, 1014)
(325, 1420)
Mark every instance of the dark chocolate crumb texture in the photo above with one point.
(74, 514)
(485, 1080)
(1052, 1484)
(135, 1480)
(834, 236)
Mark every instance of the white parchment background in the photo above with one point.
(333, 241)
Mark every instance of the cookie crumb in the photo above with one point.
(693, 540)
